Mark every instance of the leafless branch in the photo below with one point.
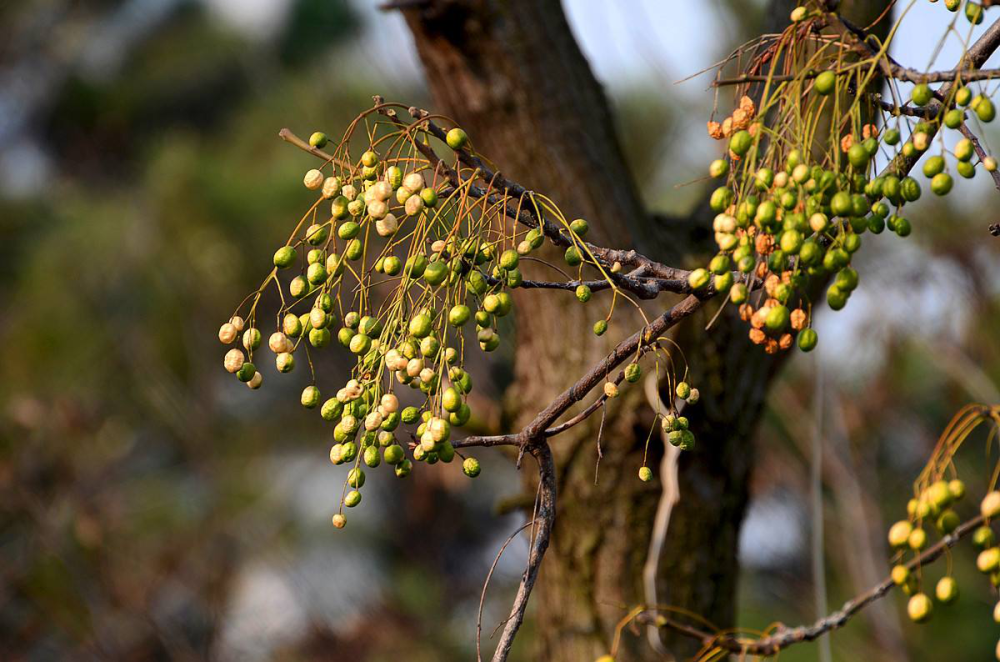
(546, 520)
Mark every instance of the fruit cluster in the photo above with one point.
(793, 209)
(934, 509)
(402, 272)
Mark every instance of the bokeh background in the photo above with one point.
(153, 508)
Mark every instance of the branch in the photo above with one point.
(785, 637)
(547, 516)
(516, 191)
(656, 277)
(639, 342)
(980, 152)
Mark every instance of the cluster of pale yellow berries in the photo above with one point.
(935, 505)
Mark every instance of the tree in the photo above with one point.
(512, 77)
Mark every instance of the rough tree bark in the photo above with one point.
(513, 76)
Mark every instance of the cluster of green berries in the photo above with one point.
(783, 220)
(445, 272)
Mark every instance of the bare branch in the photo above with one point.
(546, 518)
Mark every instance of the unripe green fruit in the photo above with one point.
(352, 498)
(600, 327)
(583, 293)
(965, 169)
(435, 273)
(847, 279)
(836, 298)
(459, 315)
(509, 259)
(310, 397)
(332, 409)
(579, 227)
(953, 118)
(740, 142)
(572, 256)
(983, 537)
(393, 454)
(284, 257)
(791, 241)
(777, 318)
(316, 234)
(721, 198)
(410, 415)
(942, 183)
(698, 278)
(840, 204)
(246, 372)
(316, 273)
(360, 344)
(825, 82)
(318, 139)
(683, 390)
(985, 109)
(645, 474)
(718, 168)
(456, 138)
(291, 326)
(720, 264)
(738, 293)
(902, 227)
(632, 373)
(922, 94)
(429, 196)
(319, 337)
(891, 136)
(470, 467)
(420, 325)
(356, 477)
(858, 156)
(973, 13)
(723, 282)
(392, 266)
(948, 521)
(298, 287)
(933, 166)
(807, 339)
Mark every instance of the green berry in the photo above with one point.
(284, 257)
(310, 397)
(318, 139)
(825, 82)
(922, 94)
(470, 467)
(456, 138)
(807, 340)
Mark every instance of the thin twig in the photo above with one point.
(546, 516)
(489, 575)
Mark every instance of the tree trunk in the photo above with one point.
(512, 75)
